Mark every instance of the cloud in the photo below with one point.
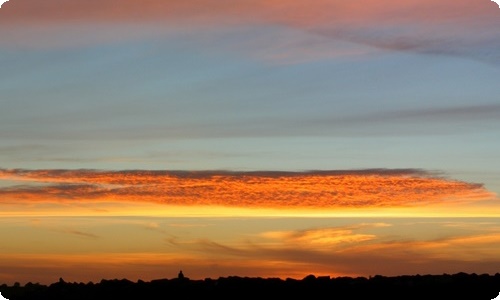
(353, 252)
(317, 12)
(322, 238)
(431, 119)
(154, 226)
(187, 225)
(264, 189)
(81, 233)
(463, 28)
(436, 114)
(38, 223)
(446, 117)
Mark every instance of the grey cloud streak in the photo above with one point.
(437, 115)
(442, 119)
(81, 234)
(482, 50)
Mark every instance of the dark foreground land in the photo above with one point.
(456, 286)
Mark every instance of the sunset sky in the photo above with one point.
(271, 138)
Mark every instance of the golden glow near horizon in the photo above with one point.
(43, 249)
(85, 225)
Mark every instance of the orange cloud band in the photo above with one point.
(315, 189)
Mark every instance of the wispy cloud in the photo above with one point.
(432, 114)
(324, 238)
(446, 27)
(443, 120)
(81, 233)
(350, 251)
(314, 189)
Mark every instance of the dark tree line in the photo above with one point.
(456, 286)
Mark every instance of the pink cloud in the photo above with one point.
(459, 27)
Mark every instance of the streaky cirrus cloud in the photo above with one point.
(350, 250)
(267, 189)
(325, 237)
(463, 28)
(443, 119)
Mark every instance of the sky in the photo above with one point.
(274, 138)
